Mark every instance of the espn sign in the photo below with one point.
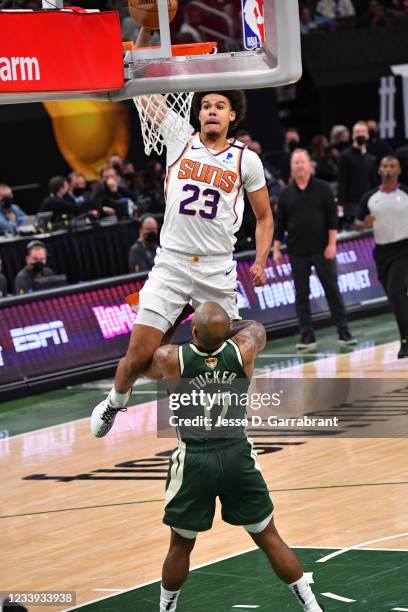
(38, 336)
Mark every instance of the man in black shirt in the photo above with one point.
(307, 212)
(357, 173)
(143, 252)
(385, 209)
(36, 267)
(57, 203)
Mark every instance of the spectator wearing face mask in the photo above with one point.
(357, 173)
(339, 139)
(57, 203)
(78, 191)
(10, 214)
(143, 252)
(292, 142)
(36, 267)
(376, 146)
(112, 198)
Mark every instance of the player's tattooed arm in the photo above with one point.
(260, 204)
(165, 363)
(239, 325)
(250, 340)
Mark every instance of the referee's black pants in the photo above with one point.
(392, 267)
(326, 270)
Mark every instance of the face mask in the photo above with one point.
(129, 175)
(292, 145)
(117, 167)
(150, 237)
(78, 191)
(37, 267)
(7, 202)
(373, 133)
(342, 145)
(361, 140)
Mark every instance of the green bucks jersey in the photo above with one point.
(216, 391)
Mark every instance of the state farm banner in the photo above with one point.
(53, 51)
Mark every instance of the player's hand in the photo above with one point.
(330, 252)
(277, 257)
(369, 221)
(258, 274)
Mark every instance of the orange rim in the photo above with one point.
(201, 48)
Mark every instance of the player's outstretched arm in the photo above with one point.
(250, 340)
(153, 104)
(260, 204)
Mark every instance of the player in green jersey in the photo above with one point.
(205, 467)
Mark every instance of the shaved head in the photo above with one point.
(211, 326)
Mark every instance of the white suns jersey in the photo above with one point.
(205, 195)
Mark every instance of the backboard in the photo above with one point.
(258, 44)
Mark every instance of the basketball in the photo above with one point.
(146, 14)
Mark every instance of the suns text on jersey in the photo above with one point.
(206, 173)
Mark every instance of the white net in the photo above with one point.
(163, 118)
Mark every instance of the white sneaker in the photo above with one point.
(103, 417)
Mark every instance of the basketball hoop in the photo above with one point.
(157, 126)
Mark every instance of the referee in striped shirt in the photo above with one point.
(385, 209)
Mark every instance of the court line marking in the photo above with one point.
(139, 586)
(110, 590)
(259, 372)
(400, 609)
(342, 551)
(161, 499)
(87, 418)
(231, 556)
(338, 597)
(245, 606)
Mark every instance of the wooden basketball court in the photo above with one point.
(84, 514)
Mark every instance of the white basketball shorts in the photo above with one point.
(175, 279)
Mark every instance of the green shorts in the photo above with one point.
(199, 473)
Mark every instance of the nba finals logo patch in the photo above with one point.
(253, 24)
(211, 362)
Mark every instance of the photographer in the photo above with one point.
(10, 214)
(36, 267)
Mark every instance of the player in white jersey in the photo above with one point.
(205, 183)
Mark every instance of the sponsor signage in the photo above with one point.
(50, 51)
(93, 325)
